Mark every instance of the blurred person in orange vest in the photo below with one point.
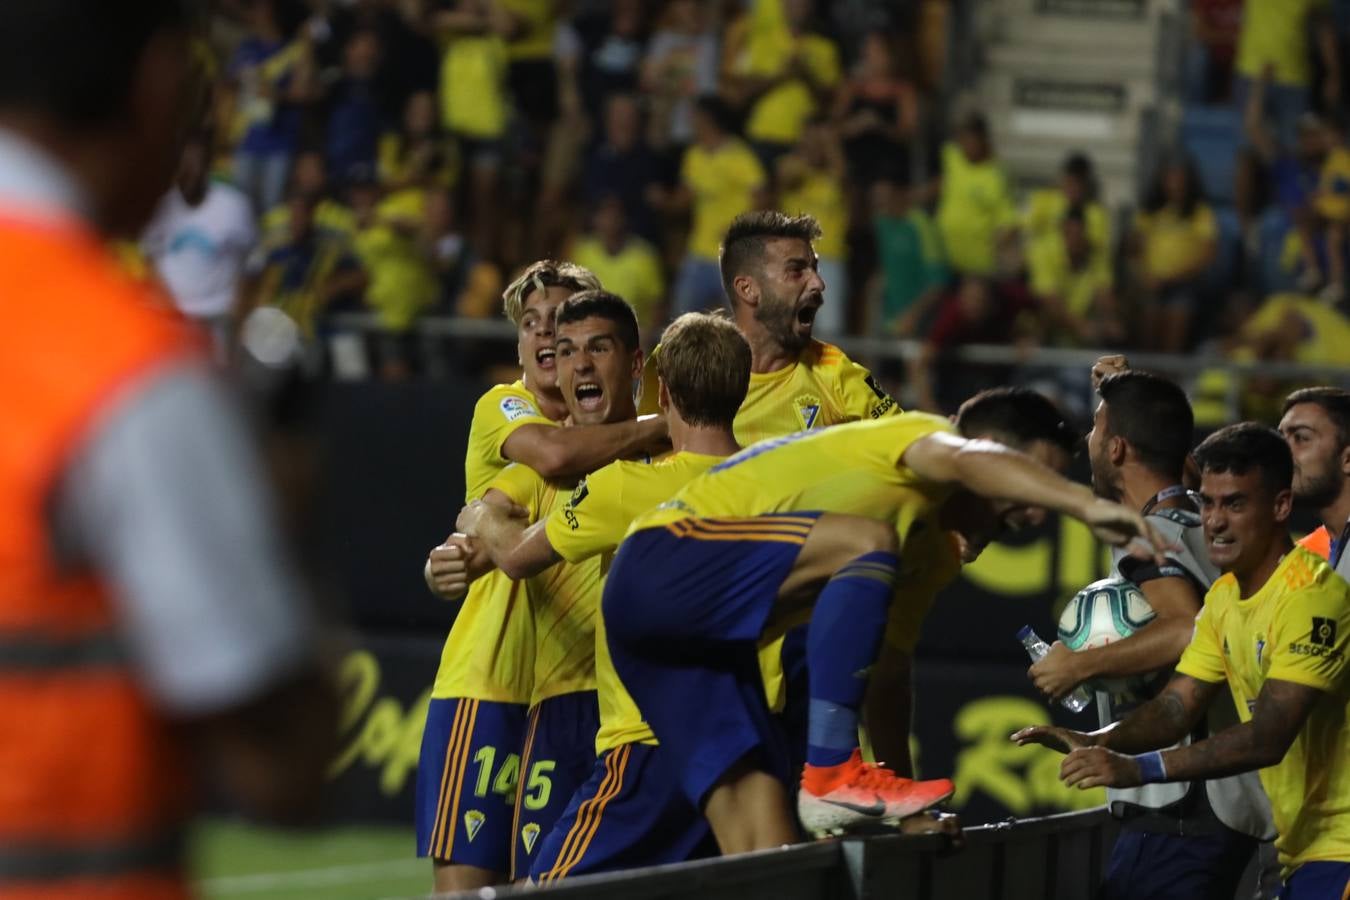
(150, 626)
(1316, 425)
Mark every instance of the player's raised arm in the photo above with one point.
(581, 449)
(994, 471)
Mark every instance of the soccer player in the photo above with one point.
(1195, 838)
(751, 548)
(1316, 424)
(642, 819)
(1275, 626)
(599, 362)
(484, 683)
(797, 383)
(772, 286)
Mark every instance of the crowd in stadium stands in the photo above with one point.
(403, 157)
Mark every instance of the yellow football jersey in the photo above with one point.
(1295, 628)
(824, 387)
(488, 653)
(590, 526)
(564, 599)
(496, 415)
(852, 469)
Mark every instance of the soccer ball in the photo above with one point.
(1106, 611)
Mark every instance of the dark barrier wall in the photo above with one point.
(391, 483)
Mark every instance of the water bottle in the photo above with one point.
(1079, 698)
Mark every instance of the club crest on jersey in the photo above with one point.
(808, 409)
(473, 823)
(529, 834)
(515, 407)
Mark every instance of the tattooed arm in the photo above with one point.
(1165, 719)
(1281, 709)
(1162, 721)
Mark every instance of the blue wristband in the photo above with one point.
(1151, 768)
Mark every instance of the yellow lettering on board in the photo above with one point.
(381, 733)
(1022, 779)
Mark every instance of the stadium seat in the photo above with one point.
(1212, 136)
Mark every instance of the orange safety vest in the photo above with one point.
(94, 790)
(1318, 541)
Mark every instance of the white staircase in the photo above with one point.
(1092, 75)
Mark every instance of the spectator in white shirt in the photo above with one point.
(200, 241)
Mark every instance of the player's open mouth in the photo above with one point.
(806, 314)
(544, 358)
(589, 396)
(1221, 542)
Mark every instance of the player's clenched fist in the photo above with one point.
(447, 568)
(1108, 365)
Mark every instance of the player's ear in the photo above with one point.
(662, 394)
(1116, 448)
(1345, 460)
(637, 364)
(1284, 505)
(746, 290)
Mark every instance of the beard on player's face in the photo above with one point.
(1318, 485)
(789, 320)
(1105, 478)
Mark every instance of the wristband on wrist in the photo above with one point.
(1151, 768)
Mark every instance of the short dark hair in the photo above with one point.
(705, 364)
(1239, 447)
(1334, 401)
(1154, 415)
(74, 61)
(603, 305)
(743, 245)
(1018, 417)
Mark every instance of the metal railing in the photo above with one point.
(1050, 858)
(878, 349)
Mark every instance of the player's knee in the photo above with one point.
(872, 536)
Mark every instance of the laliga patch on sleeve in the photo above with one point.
(515, 408)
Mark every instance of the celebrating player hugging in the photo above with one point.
(679, 628)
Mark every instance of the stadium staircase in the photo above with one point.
(1092, 75)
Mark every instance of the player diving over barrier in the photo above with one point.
(824, 527)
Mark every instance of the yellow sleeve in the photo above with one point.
(1047, 275)
(861, 396)
(1006, 215)
(748, 169)
(1310, 637)
(522, 485)
(592, 521)
(498, 414)
(1203, 656)
(688, 168)
(649, 392)
(1205, 224)
(825, 62)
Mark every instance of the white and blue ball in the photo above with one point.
(1101, 613)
